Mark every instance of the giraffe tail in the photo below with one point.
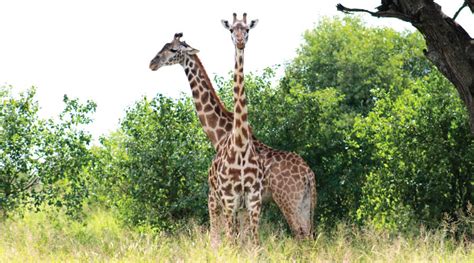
(314, 200)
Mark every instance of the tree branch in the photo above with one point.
(389, 12)
(470, 3)
(347, 10)
(30, 184)
(459, 10)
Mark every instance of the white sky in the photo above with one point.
(100, 49)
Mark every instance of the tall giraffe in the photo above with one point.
(287, 178)
(236, 174)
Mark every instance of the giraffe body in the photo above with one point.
(279, 172)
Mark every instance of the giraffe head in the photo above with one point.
(172, 53)
(239, 30)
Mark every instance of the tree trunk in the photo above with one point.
(449, 46)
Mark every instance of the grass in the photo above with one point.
(50, 236)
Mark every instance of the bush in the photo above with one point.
(43, 160)
(162, 178)
(422, 156)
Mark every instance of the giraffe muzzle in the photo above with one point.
(153, 65)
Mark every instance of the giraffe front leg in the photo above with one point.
(255, 207)
(229, 224)
(214, 219)
(242, 223)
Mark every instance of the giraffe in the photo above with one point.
(236, 174)
(287, 178)
(286, 175)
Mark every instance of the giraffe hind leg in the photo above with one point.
(305, 213)
(291, 210)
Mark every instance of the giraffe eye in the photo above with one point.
(231, 30)
(173, 50)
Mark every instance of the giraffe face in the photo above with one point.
(239, 30)
(172, 53)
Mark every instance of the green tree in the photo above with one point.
(355, 59)
(19, 129)
(449, 45)
(43, 160)
(66, 159)
(421, 153)
(109, 171)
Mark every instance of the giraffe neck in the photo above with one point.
(241, 131)
(215, 119)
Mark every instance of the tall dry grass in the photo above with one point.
(51, 236)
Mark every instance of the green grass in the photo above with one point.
(50, 236)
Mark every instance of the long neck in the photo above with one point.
(241, 129)
(215, 119)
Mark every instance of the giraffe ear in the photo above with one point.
(191, 51)
(253, 23)
(225, 23)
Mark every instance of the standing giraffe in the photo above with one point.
(236, 174)
(287, 178)
(286, 175)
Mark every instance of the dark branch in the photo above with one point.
(30, 184)
(470, 3)
(384, 13)
(459, 10)
(349, 10)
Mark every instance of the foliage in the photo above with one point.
(163, 178)
(385, 134)
(109, 170)
(43, 160)
(355, 59)
(66, 158)
(19, 133)
(421, 153)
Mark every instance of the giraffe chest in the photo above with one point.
(237, 173)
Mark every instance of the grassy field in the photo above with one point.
(52, 237)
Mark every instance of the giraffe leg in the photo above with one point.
(290, 209)
(305, 213)
(254, 205)
(229, 224)
(214, 219)
(295, 203)
(242, 224)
